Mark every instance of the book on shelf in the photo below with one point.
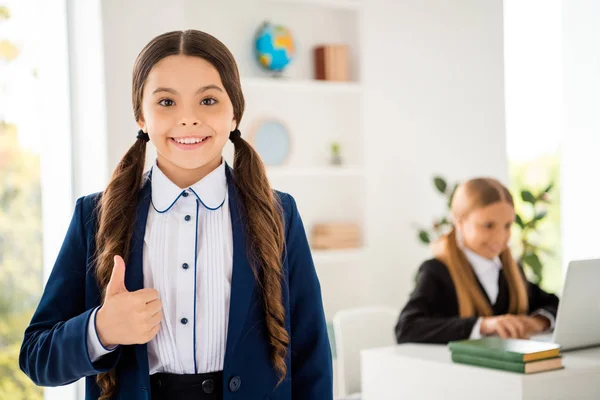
(331, 62)
(331, 236)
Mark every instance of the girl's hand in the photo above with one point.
(536, 324)
(127, 317)
(506, 326)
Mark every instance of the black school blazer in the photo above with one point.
(431, 314)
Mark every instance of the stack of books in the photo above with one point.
(333, 236)
(516, 355)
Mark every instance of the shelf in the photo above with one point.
(337, 256)
(307, 85)
(316, 172)
(340, 4)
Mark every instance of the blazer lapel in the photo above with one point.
(134, 273)
(243, 281)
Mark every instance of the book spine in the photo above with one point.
(488, 363)
(319, 54)
(337, 66)
(329, 71)
(344, 74)
(456, 347)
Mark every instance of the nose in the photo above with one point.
(189, 117)
(186, 122)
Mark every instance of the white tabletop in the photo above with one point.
(572, 360)
(422, 371)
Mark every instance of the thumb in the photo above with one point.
(116, 284)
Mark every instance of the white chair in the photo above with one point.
(354, 330)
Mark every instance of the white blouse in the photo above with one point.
(188, 259)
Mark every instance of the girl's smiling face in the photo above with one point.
(188, 115)
(486, 230)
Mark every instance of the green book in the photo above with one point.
(515, 350)
(523, 368)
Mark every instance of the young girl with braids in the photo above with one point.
(191, 281)
(473, 287)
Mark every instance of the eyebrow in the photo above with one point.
(201, 90)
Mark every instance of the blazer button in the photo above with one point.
(187, 218)
(208, 386)
(184, 321)
(185, 194)
(235, 383)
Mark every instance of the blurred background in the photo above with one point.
(367, 111)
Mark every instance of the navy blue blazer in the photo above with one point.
(54, 350)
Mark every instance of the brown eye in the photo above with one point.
(208, 101)
(166, 102)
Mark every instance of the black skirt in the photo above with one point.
(187, 387)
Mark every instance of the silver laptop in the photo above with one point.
(578, 319)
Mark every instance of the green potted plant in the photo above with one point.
(527, 220)
(336, 158)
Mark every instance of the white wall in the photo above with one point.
(434, 103)
(581, 129)
(533, 77)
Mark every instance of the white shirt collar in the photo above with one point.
(481, 264)
(210, 190)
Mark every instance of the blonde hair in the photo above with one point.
(471, 195)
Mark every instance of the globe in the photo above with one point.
(274, 47)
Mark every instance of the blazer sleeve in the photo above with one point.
(54, 350)
(424, 319)
(541, 300)
(311, 364)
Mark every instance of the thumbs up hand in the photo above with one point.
(127, 317)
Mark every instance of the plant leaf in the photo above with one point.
(520, 222)
(533, 261)
(540, 215)
(452, 195)
(424, 237)
(528, 197)
(440, 184)
(549, 188)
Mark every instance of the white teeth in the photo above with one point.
(190, 140)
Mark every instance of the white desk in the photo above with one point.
(426, 372)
